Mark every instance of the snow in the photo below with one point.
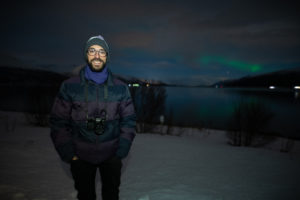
(199, 164)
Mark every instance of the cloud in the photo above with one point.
(153, 35)
(133, 39)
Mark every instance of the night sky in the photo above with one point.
(183, 42)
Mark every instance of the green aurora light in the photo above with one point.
(232, 63)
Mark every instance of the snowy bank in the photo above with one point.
(197, 165)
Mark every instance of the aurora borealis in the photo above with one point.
(235, 64)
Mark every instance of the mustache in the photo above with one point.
(97, 59)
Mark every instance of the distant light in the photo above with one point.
(136, 85)
(297, 87)
(161, 119)
(129, 85)
(272, 87)
(296, 94)
(147, 84)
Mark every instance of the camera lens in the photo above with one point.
(99, 126)
(96, 124)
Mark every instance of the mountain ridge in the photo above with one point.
(11, 75)
(281, 78)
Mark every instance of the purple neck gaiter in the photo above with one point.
(97, 77)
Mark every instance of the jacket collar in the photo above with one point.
(109, 81)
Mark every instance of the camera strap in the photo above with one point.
(86, 93)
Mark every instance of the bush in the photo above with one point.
(40, 102)
(149, 103)
(247, 124)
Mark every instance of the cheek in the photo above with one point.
(104, 59)
(89, 58)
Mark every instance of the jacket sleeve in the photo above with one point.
(127, 125)
(60, 125)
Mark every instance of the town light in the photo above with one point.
(297, 87)
(272, 87)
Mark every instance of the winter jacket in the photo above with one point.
(78, 97)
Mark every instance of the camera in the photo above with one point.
(97, 124)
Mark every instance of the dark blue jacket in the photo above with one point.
(78, 97)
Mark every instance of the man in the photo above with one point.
(93, 124)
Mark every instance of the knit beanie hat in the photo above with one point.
(97, 40)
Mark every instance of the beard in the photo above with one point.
(96, 68)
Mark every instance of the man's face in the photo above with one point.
(96, 58)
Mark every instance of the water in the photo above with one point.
(212, 108)
(202, 107)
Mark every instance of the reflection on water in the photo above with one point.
(212, 108)
(189, 106)
(296, 94)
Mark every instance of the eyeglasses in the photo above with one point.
(92, 52)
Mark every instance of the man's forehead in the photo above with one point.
(97, 47)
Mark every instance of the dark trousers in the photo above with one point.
(84, 175)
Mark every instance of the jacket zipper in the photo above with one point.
(97, 99)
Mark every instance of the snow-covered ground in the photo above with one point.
(198, 165)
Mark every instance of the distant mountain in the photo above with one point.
(10, 60)
(283, 78)
(28, 90)
(29, 77)
(125, 79)
(34, 90)
(36, 77)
